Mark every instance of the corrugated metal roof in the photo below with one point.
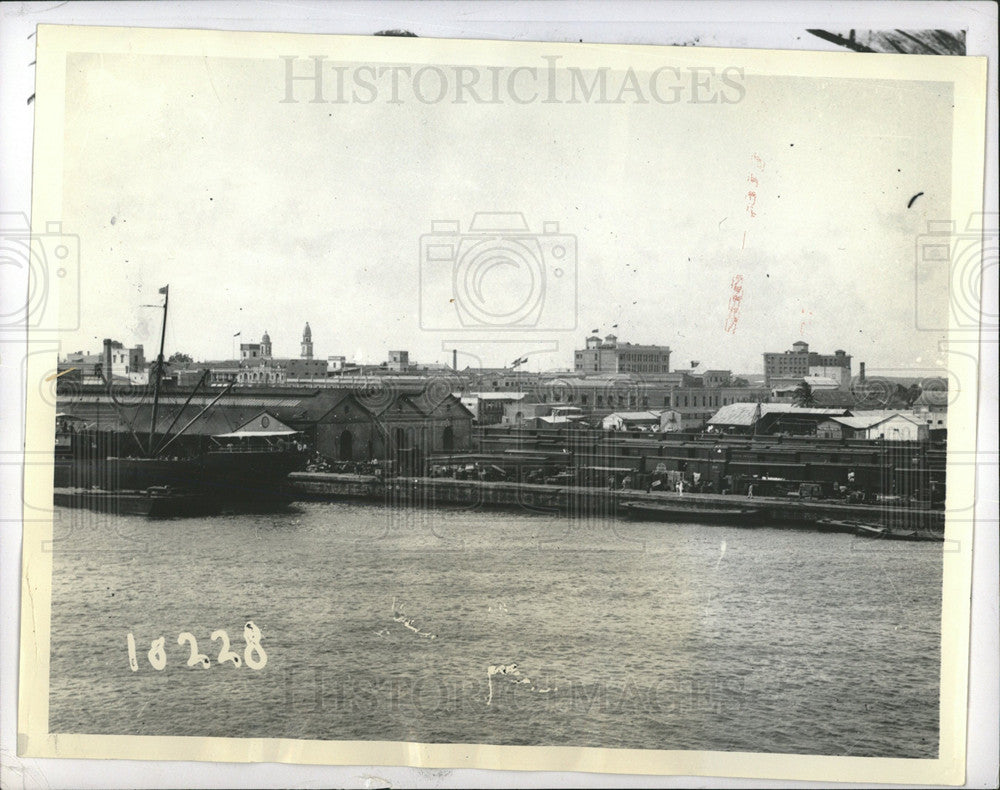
(743, 413)
(735, 414)
(865, 419)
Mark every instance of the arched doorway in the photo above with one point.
(448, 439)
(346, 446)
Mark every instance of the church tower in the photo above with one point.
(265, 345)
(307, 342)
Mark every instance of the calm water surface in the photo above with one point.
(381, 624)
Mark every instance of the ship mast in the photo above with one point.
(165, 290)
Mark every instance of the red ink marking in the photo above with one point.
(733, 319)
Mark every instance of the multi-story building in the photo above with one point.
(123, 363)
(800, 362)
(115, 363)
(251, 351)
(599, 396)
(717, 378)
(610, 356)
(398, 361)
(257, 367)
(261, 350)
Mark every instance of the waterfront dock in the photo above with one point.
(580, 500)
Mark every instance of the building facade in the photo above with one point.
(488, 408)
(610, 356)
(341, 425)
(398, 361)
(885, 426)
(799, 362)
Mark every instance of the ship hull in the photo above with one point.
(213, 482)
(165, 504)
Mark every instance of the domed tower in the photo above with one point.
(265, 345)
(307, 342)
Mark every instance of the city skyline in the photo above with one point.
(241, 340)
(308, 216)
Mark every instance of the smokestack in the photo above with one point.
(861, 372)
(106, 361)
(454, 359)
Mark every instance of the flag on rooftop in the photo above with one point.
(164, 290)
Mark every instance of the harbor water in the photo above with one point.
(380, 623)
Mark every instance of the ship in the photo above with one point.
(160, 471)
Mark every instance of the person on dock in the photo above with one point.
(750, 491)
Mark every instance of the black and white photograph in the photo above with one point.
(488, 404)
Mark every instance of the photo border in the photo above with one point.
(34, 739)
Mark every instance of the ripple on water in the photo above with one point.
(643, 635)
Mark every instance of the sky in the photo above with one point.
(263, 214)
